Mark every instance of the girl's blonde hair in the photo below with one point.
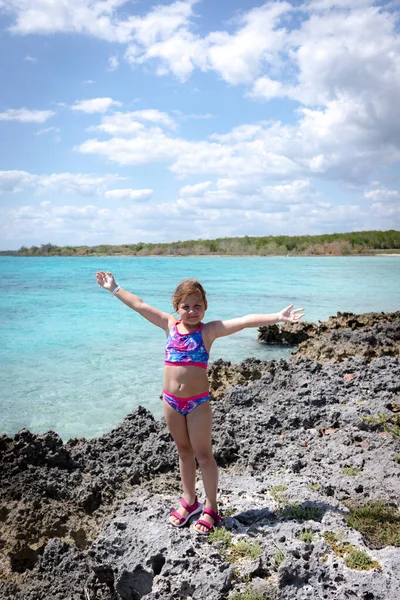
(187, 287)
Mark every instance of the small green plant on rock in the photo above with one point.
(377, 522)
(296, 511)
(332, 537)
(235, 551)
(306, 536)
(388, 422)
(248, 594)
(278, 556)
(293, 510)
(353, 557)
(314, 486)
(352, 471)
(228, 512)
(244, 549)
(220, 534)
(360, 561)
(241, 577)
(278, 488)
(277, 493)
(335, 542)
(397, 459)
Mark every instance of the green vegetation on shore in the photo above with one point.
(333, 244)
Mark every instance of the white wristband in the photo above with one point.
(115, 290)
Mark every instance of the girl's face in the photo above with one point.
(192, 309)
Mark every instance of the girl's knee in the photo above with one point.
(185, 451)
(205, 457)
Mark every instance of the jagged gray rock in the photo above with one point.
(88, 519)
(369, 335)
(141, 556)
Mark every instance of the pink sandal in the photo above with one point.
(194, 509)
(213, 515)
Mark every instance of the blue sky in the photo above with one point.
(126, 121)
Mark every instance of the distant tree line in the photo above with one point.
(332, 244)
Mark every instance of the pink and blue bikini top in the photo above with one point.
(186, 349)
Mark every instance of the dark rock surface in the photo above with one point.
(224, 375)
(157, 562)
(87, 519)
(288, 334)
(381, 339)
(369, 335)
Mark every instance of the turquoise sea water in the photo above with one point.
(75, 360)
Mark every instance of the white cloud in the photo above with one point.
(185, 117)
(383, 195)
(340, 141)
(113, 63)
(212, 216)
(15, 181)
(242, 133)
(267, 88)
(238, 58)
(99, 18)
(244, 195)
(336, 61)
(25, 115)
(353, 52)
(162, 21)
(328, 46)
(241, 186)
(148, 145)
(47, 130)
(95, 105)
(154, 116)
(153, 145)
(163, 34)
(329, 49)
(128, 124)
(389, 212)
(82, 184)
(178, 54)
(87, 212)
(294, 192)
(96, 18)
(325, 5)
(29, 58)
(129, 194)
(122, 124)
(194, 190)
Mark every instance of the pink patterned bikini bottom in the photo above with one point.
(185, 405)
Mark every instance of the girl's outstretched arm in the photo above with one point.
(222, 328)
(157, 317)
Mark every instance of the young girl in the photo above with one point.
(185, 391)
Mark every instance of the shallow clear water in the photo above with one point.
(76, 360)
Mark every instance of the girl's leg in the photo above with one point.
(187, 464)
(199, 424)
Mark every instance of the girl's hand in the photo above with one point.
(106, 280)
(288, 315)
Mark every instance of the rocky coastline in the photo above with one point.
(302, 444)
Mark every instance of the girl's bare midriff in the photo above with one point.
(185, 382)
